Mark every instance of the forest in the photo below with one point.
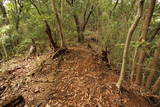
(79, 53)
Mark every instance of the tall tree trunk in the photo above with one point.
(153, 66)
(143, 38)
(59, 24)
(127, 44)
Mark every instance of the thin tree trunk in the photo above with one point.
(79, 28)
(143, 38)
(48, 29)
(127, 44)
(157, 30)
(49, 33)
(77, 22)
(113, 9)
(153, 66)
(136, 51)
(139, 67)
(156, 85)
(59, 24)
(1, 55)
(80, 36)
(3, 10)
(62, 4)
(134, 64)
(4, 49)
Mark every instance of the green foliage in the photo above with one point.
(111, 23)
(23, 46)
(5, 29)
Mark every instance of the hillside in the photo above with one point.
(78, 78)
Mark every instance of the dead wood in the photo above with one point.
(153, 100)
(59, 52)
(14, 102)
(2, 89)
(32, 51)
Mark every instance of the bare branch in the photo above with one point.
(33, 3)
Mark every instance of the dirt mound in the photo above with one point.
(76, 79)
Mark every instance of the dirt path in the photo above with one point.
(77, 79)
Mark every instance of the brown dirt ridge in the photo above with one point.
(77, 78)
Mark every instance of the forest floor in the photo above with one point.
(78, 78)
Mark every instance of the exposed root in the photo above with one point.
(59, 52)
(153, 100)
(14, 102)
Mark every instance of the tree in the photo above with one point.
(81, 26)
(156, 86)
(59, 23)
(127, 44)
(153, 65)
(17, 9)
(48, 29)
(143, 38)
(4, 13)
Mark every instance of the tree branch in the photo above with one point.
(87, 19)
(157, 30)
(33, 3)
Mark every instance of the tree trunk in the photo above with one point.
(80, 35)
(17, 24)
(59, 23)
(127, 44)
(139, 67)
(136, 51)
(143, 38)
(134, 64)
(49, 33)
(79, 28)
(48, 29)
(3, 10)
(153, 66)
(156, 86)
(4, 49)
